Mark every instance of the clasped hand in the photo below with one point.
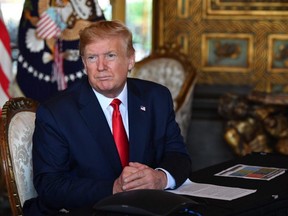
(139, 176)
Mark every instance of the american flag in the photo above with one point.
(5, 63)
(47, 26)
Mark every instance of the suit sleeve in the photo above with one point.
(176, 159)
(56, 185)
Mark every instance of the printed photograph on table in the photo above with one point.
(252, 172)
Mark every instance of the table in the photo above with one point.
(271, 197)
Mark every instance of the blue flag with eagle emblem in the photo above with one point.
(48, 41)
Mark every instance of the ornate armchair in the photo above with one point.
(171, 68)
(17, 126)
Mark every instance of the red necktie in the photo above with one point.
(119, 133)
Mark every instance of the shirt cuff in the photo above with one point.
(170, 179)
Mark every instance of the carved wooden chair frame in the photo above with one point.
(10, 109)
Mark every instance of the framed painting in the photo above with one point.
(245, 9)
(227, 52)
(278, 53)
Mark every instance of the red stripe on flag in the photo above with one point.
(4, 81)
(4, 36)
(50, 33)
(46, 28)
(5, 64)
(43, 22)
(43, 19)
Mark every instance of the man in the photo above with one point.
(76, 162)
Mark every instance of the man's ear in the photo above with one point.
(131, 62)
(84, 64)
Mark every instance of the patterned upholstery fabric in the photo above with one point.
(184, 113)
(166, 71)
(20, 133)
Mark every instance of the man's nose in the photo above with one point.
(101, 63)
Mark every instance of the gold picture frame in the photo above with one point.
(245, 9)
(278, 53)
(223, 52)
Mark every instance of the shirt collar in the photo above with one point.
(105, 101)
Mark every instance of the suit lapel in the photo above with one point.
(138, 127)
(94, 117)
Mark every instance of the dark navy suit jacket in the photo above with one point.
(75, 160)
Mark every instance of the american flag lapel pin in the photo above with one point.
(143, 108)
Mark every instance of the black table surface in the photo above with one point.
(271, 197)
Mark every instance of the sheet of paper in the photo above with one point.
(211, 191)
(252, 172)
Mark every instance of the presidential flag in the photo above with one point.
(5, 63)
(48, 59)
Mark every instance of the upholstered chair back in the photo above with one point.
(17, 127)
(164, 70)
(170, 67)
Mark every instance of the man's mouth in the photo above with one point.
(104, 78)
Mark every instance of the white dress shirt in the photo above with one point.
(108, 109)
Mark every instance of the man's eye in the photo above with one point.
(92, 58)
(111, 56)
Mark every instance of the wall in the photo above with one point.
(229, 42)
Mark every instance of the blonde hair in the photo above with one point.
(105, 29)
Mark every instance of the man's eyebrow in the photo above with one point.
(111, 51)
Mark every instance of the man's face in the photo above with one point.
(107, 64)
